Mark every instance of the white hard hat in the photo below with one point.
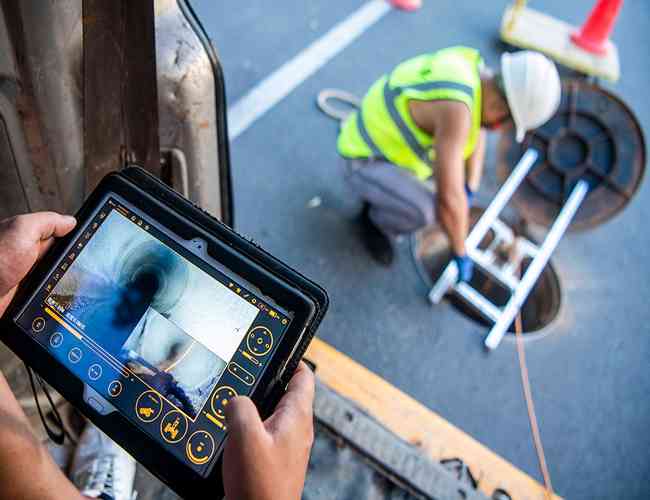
(533, 90)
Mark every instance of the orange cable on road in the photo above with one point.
(532, 417)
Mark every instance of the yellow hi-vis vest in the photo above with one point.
(383, 127)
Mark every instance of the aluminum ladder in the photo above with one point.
(519, 248)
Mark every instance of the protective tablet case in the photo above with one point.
(140, 181)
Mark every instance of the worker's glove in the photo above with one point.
(465, 267)
(470, 195)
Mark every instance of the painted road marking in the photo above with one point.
(287, 77)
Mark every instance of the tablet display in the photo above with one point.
(154, 331)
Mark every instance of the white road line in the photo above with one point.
(287, 77)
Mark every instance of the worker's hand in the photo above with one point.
(470, 195)
(23, 240)
(268, 460)
(465, 268)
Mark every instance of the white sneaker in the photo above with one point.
(101, 468)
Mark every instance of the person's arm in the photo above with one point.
(26, 469)
(474, 164)
(268, 460)
(453, 122)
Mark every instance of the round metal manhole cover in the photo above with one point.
(594, 136)
(431, 253)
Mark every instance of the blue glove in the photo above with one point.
(465, 267)
(470, 195)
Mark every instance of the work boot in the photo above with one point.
(101, 469)
(377, 243)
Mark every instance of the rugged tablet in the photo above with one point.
(152, 315)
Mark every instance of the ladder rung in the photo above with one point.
(503, 231)
(528, 247)
(487, 263)
(482, 305)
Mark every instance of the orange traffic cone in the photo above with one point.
(406, 4)
(594, 34)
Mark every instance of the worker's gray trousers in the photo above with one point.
(399, 202)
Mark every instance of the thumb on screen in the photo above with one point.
(242, 418)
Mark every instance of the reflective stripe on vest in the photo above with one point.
(390, 95)
(363, 132)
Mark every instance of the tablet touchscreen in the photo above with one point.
(154, 331)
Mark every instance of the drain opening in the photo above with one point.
(431, 253)
(539, 310)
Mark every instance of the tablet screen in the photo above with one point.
(160, 335)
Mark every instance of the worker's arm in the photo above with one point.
(474, 164)
(452, 126)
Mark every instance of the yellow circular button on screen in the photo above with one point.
(200, 447)
(148, 406)
(173, 426)
(259, 341)
(220, 400)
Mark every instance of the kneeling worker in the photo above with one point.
(434, 109)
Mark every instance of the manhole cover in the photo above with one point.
(594, 136)
(431, 253)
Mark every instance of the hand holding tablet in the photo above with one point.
(25, 239)
(160, 316)
(279, 446)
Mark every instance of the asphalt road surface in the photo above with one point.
(590, 374)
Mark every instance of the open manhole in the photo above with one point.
(431, 253)
(594, 136)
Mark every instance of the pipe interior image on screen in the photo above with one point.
(169, 322)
